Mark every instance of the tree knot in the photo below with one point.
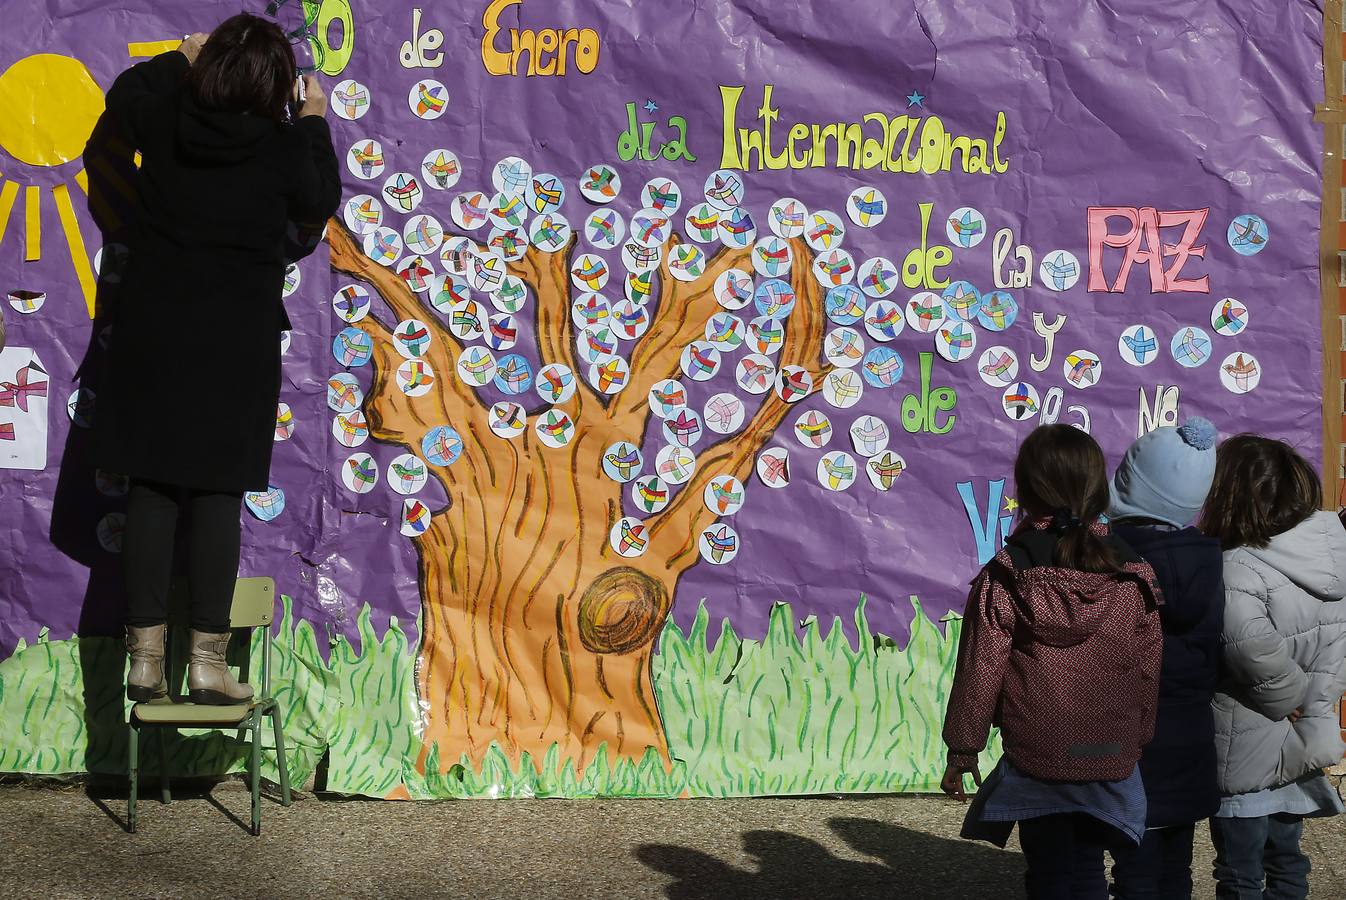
(622, 610)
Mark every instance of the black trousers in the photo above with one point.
(213, 531)
(1159, 869)
(1064, 853)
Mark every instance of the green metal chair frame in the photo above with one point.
(253, 607)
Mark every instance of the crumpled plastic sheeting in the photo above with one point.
(1177, 105)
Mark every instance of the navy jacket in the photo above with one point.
(1179, 766)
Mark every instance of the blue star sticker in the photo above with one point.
(651, 106)
(915, 98)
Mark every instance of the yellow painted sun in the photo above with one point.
(51, 104)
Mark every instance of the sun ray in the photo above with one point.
(79, 256)
(107, 174)
(113, 183)
(8, 191)
(32, 223)
(137, 49)
(56, 105)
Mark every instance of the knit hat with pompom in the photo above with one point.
(1166, 474)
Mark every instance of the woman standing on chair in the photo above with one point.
(188, 402)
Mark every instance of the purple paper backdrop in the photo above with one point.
(1177, 105)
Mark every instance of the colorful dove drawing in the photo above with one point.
(721, 543)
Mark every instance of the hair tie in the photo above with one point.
(1065, 520)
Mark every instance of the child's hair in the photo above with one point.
(1262, 488)
(247, 66)
(1061, 472)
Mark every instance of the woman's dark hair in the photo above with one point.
(247, 66)
(1262, 487)
(1061, 472)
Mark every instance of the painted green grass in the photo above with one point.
(498, 778)
(68, 700)
(797, 712)
(372, 738)
(803, 713)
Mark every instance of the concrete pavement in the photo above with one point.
(67, 841)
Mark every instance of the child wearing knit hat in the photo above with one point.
(1157, 492)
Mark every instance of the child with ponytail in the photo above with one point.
(1060, 649)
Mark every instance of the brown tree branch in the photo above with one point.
(387, 410)
(549, 276)
(395, 418)
(678, 527)
(680, 317)
(459, 401)
(681, 522)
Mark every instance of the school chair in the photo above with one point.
(254, 607)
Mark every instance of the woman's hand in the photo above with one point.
(952, 782)
(191, 45)
(315, 99)
(1296, 715)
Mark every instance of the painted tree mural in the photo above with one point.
(535, 630)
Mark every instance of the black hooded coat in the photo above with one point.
(188, 396)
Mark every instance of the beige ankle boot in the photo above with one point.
(145, 681)
(208, 677)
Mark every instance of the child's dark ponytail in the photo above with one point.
(1079, 548)
(1061, 473)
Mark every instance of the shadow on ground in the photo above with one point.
(792, 866)
(199, 790)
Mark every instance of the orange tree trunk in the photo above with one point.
(535, 631)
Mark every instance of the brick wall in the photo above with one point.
(1337, 60)
(1340, 344)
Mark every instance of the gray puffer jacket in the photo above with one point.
(1284, 644)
